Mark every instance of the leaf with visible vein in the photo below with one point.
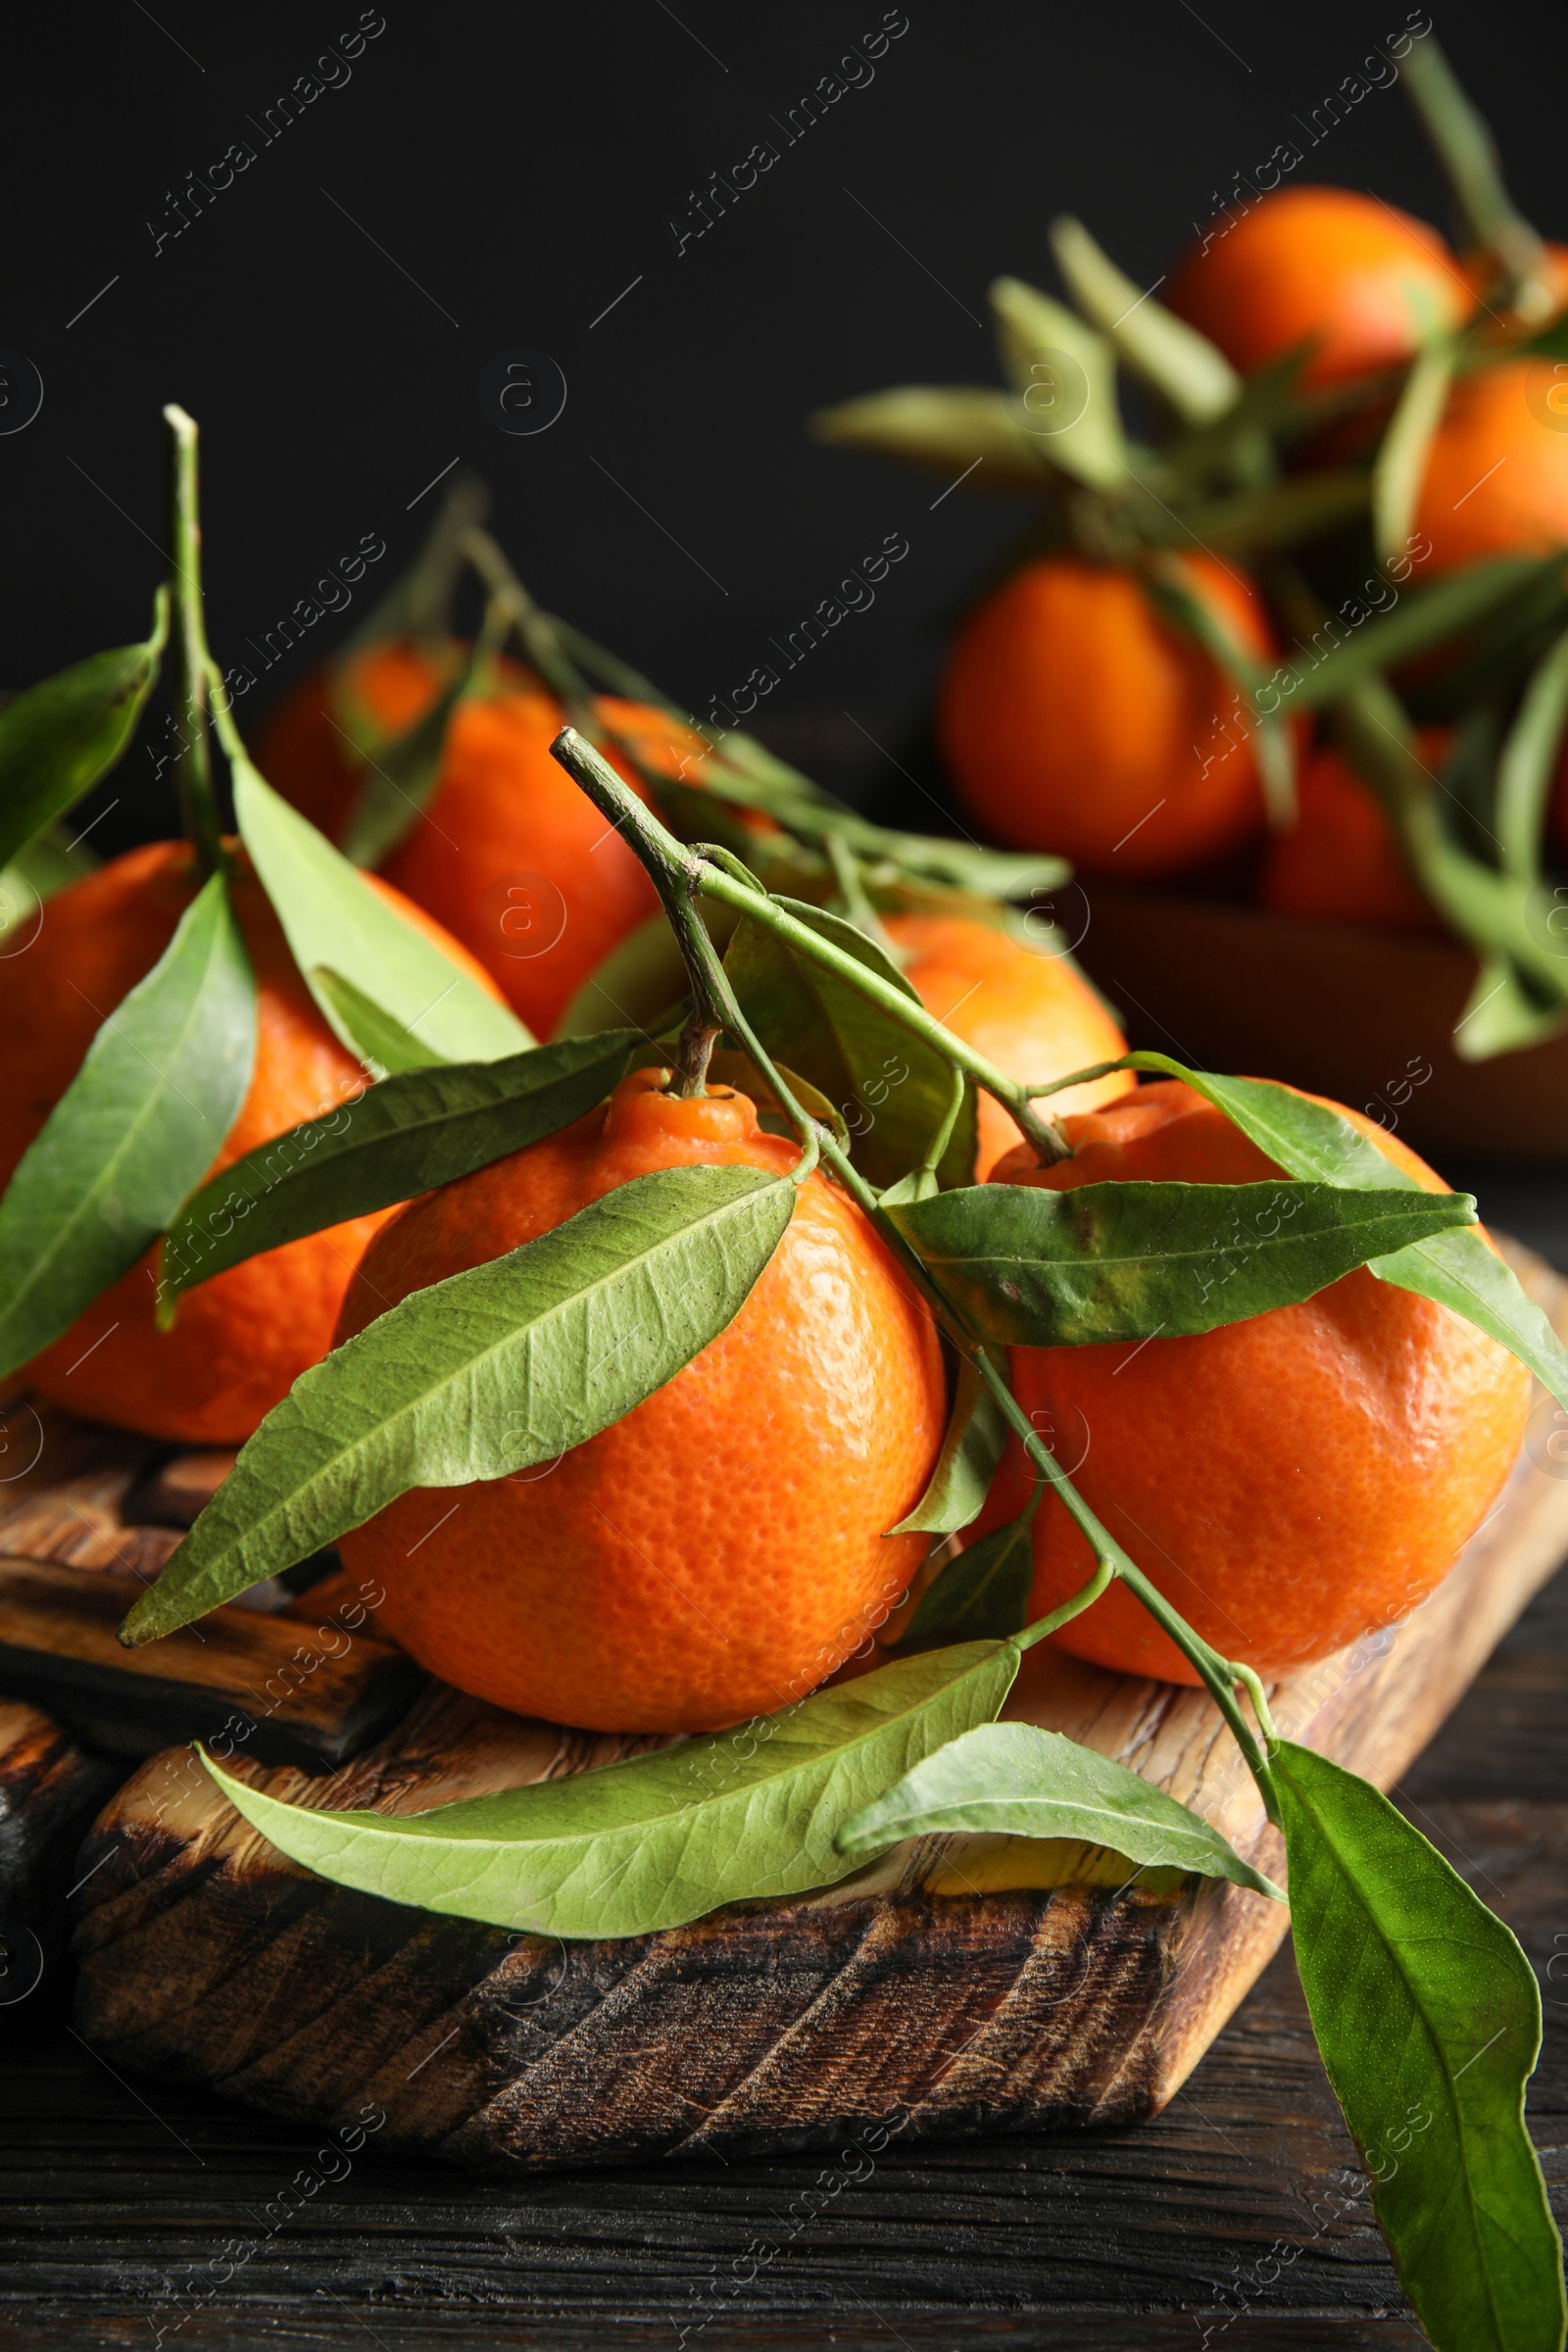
(395, 1140)
(140, 1123)
(1028, 1267)
(62, 735)
(1428, 2017)
(506, 1364)
(657, 1839)
(335, 919)
(1014, 1778)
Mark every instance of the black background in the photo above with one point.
(522, 167)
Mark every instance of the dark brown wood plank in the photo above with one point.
(272, 1687)
(969, 1986)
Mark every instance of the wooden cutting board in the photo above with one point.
(958, 1985)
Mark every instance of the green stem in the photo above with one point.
(1465, 150)
(852, 890)
(662, 854)
(191, 662)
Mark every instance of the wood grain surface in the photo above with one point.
(135, 2212)
(956, 1986)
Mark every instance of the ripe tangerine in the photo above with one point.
(1341, 861)
(509, 855)
(1364, 282)
(1076, 719)
(1291, 1482)
(1496, 474)
(720, 1550)
(241, 1339)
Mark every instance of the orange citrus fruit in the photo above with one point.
(1341, 861)
(1029, 1014)
(1496, 474)
(1075, 719)
(1291, 1482)
(719, 1550)
(241, 1339)
(509, 853)
(1363, 283)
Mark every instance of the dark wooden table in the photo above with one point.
(138, 2214)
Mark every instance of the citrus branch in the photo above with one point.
(677, 873)
(193, 773)
(664, 857)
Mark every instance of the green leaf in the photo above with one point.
(140, 1123)
(1402, 460)
(641, 983)
(893, 1089)
(1185, 367)
(1428, 2017)
(1028, 1267)
(945, 427)
(394, 1141)
(663, 1838)
(1464, 148)
(984, 1590)
(966, 1464)
(1064, 375)
(1023, 1783)
(398, 783)
(505, 1365)
(386, 1044)
(1458, 1269)
(336, 921)
(1528, 763)
(60, 737)
(1424, 619)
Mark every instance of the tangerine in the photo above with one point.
(509, 855)
(1363, 283)
(1075, 719)
(1496, 474)
(1291, 1482)
(1031, 1013)
(1341, 861)
(241, 1339)
(719, 1550)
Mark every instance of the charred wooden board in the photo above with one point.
(958, 1987)
(267, 1686)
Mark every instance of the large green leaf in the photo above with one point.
(505, 1365)
(1028, 1267)
(1064, 374)
(893, 1089)
(61, 736)
(1191, 372)
(395, 1140)
(140, 1123)
(947, 427)
(1010, 1778)
(1428, 2017)
(336, 920)
(659, 1840)
(1315, 1142)
(1402, 460)
(970, 1451)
